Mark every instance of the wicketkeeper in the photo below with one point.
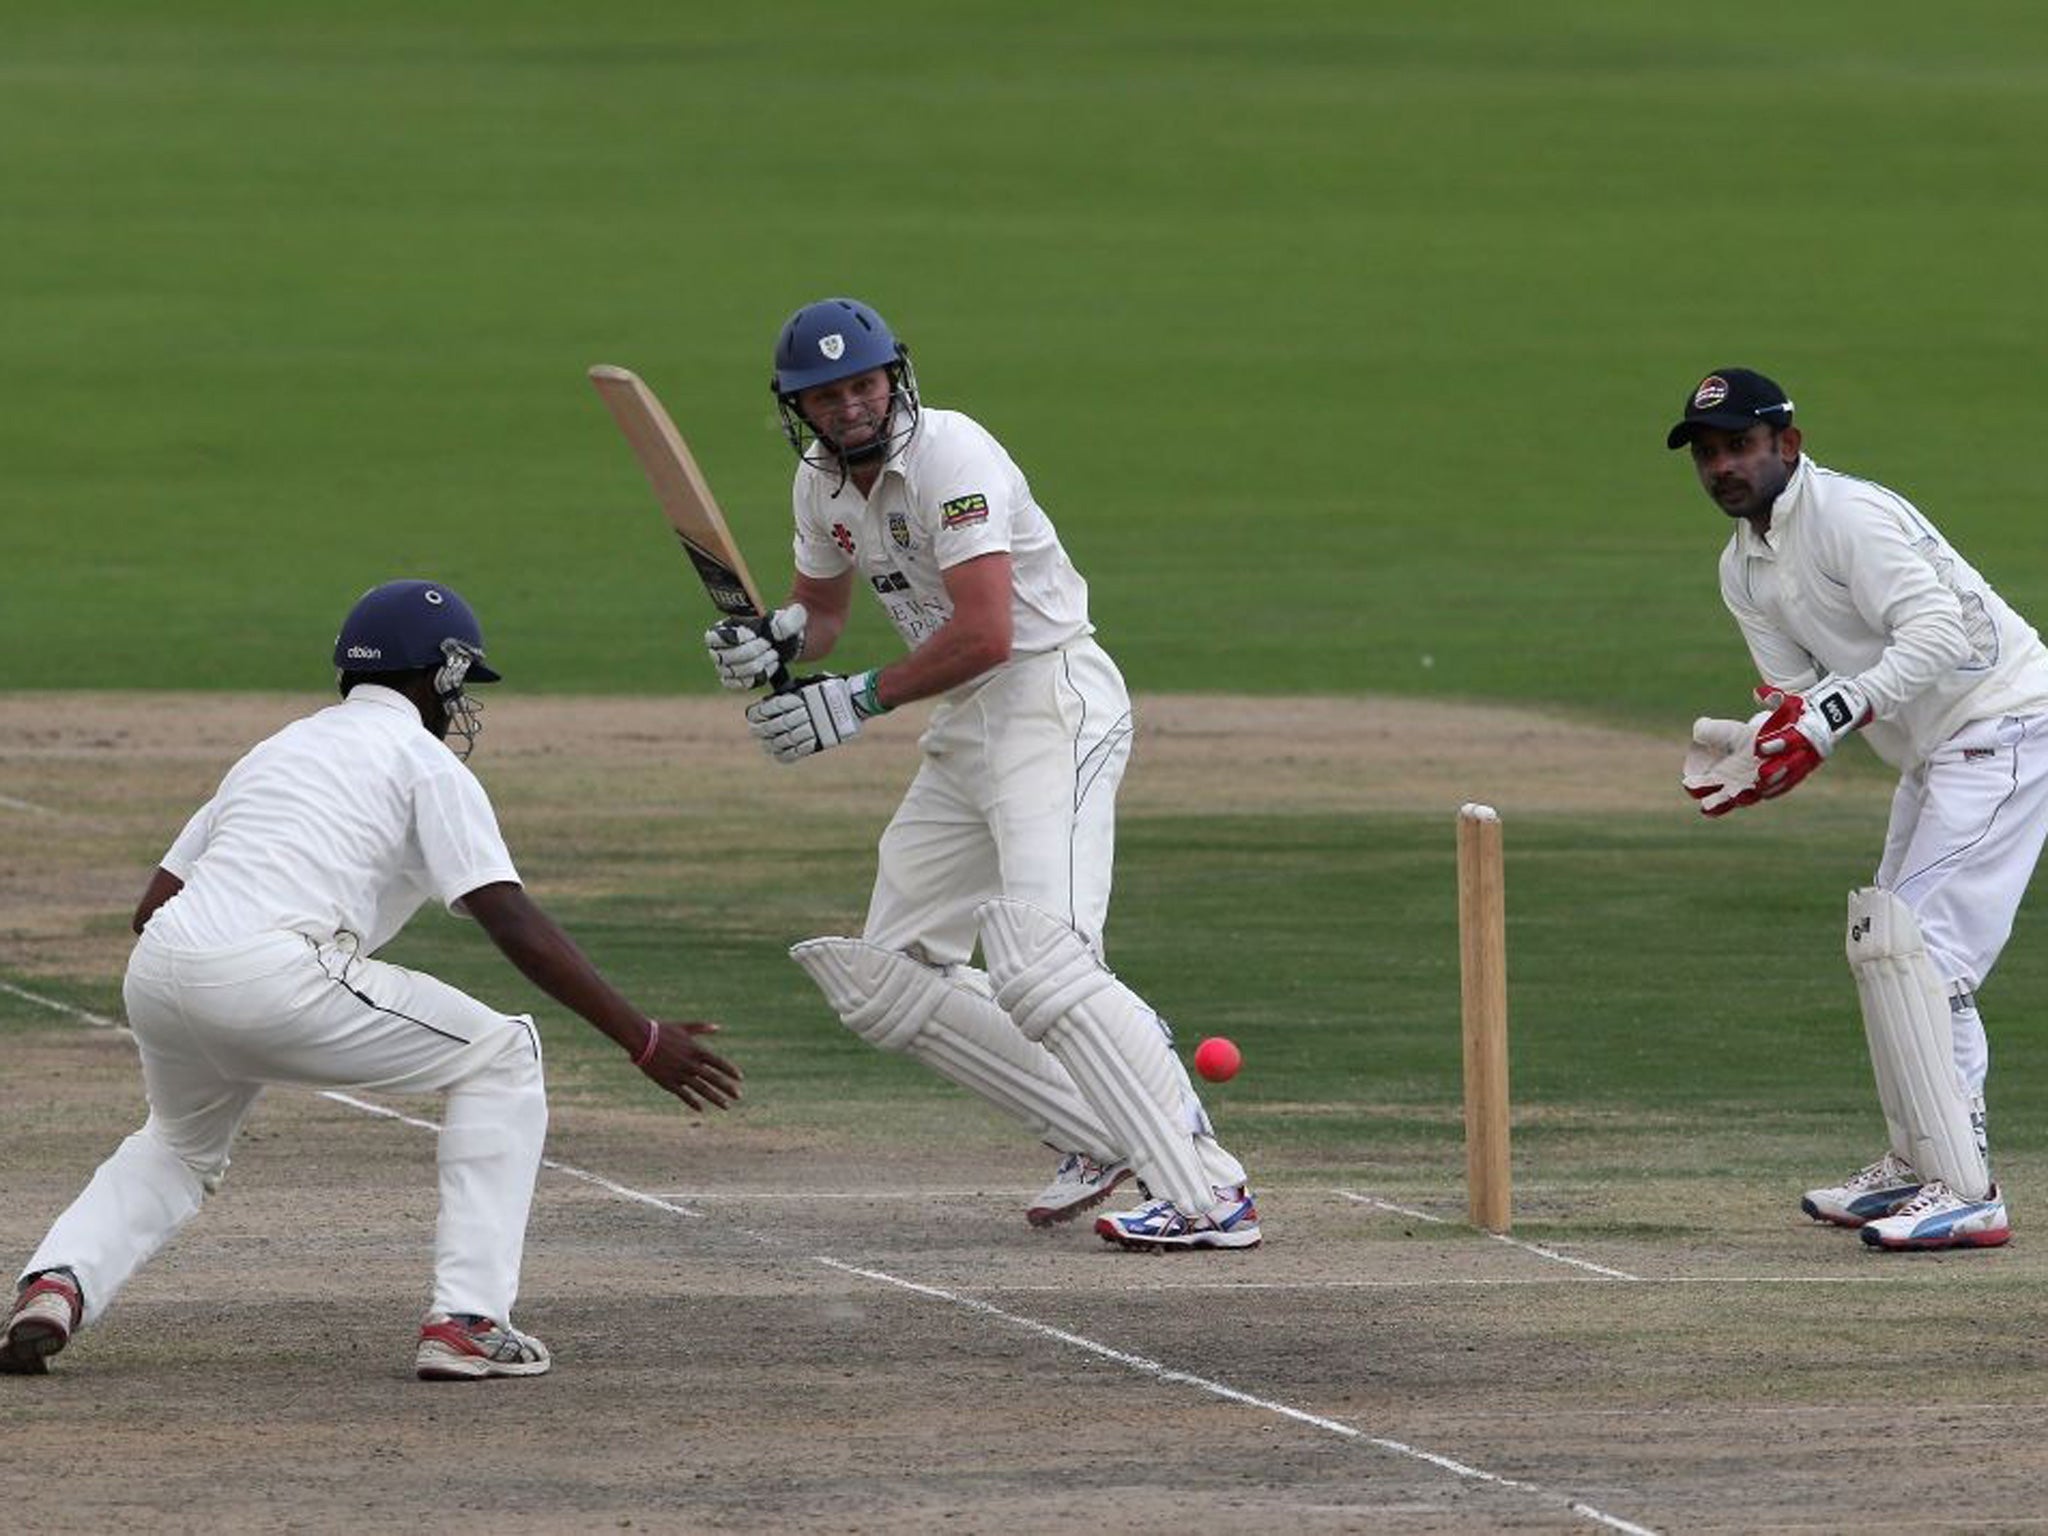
(1862, 618)
(1006, 835)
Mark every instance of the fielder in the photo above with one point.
(254, 966)
(1861, 617)
(1006, 834)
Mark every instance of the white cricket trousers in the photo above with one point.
(1966, 831)
(1016, 796)
(215, 1026)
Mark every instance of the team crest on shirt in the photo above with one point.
(899, 529)
(964, 511)
(1712, 391)
(843, 537)
(833, 346)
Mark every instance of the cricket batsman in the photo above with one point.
(1863, 620)
(1006, 834)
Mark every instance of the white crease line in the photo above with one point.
(1946, 1280)
(1513, 1242)
(97, 1020)
(1135, 1362)
(1218, 1389)
(13, 804)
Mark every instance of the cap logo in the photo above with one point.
(1712, 391)
(833, 346)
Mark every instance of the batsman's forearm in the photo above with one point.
(951, 655)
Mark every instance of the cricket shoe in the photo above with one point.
(1938, 1217)
(1080, 1184)
(45, 1315)
(461, 1346)
(1875, 1191)
(1161, 1227)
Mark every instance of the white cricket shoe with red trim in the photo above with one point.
(465, 1347)
(1938, 1217)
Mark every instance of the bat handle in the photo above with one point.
(781, 681)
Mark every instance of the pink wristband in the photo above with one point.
(647, 1051)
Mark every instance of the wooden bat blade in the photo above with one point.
(680, 488)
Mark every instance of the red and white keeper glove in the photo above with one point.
(1721, 764)
(1815, 721)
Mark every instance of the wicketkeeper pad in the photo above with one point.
(1912, 1044)
(1050, 982)
(949, 1022)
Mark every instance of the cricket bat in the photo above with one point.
(680, 487)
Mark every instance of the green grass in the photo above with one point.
(1354, 326)
(1678, 1009)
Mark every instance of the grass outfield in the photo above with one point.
(1360, 323)
(1326, 947)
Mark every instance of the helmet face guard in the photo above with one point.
(419, 626)
(836, 339)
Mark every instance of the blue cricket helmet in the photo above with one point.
(402, 626)
(832, 339)
(836, 339)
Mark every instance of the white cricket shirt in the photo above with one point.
(949, 494)
(343, 822)
(1852, 580)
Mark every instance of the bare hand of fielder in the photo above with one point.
(679, 1065)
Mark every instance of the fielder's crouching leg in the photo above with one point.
(137, 1200)
(493, 1128)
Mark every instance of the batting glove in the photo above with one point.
(748, 652)
(815, 713)
(1812, 723)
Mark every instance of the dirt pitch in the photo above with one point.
(763, 1330)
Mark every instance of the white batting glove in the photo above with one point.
(816, 713)
(748, 653)
(1721, 765)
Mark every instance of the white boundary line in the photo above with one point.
(1500, 1237)
(1134, 1362)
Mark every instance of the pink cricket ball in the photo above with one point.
(1217, 1059)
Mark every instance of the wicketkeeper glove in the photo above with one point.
(1721, 764)
(748, 652)
(1814, 722)
(813, 714)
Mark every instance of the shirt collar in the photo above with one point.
(1783, 510)
(377, 696)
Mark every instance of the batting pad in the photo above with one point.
(1050, 982)
(1912, 1046)
(953, 1026)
